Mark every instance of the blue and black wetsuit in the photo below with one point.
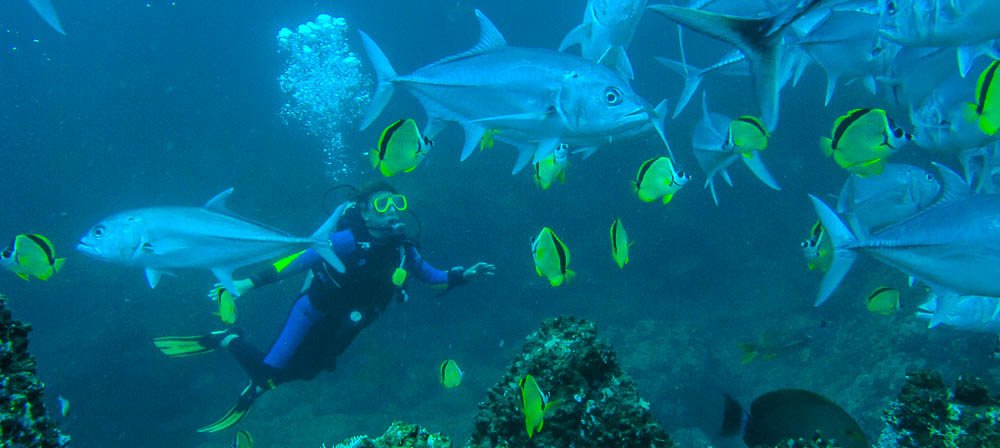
(334, 307)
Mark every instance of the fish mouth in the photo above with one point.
(86, 248)
(641, 113)
(925, 310)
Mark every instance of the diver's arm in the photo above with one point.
(342, 242)
(455, 276)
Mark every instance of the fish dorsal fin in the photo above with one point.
(218, 203)
(490, 39)
(489, 36)
(953, 188)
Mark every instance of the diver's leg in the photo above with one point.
(301, 320)
(266, 370)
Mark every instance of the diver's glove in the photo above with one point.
(242, 286)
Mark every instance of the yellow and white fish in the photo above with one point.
(551, 257)
(449, 374)
(883, 300)
(31, 255)
(534, 404)
(619, 243)
(747, 135)
(862, 140)
(227, 305)
(400, 148)
(986, 110)
(657, 179)
(817, 249)
(553, 167)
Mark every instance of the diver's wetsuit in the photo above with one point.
(335, 306)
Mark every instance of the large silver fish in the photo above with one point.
(940, 23)
(873, 202)
(952, 246)
(536, 98)
(160, 239)
(606, 32)
(979, 314)
(762, 40)
(844, 45)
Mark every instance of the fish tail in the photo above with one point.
(45, 9)
(843, 256)
(385, 74)
(692, 80)
(733, 418)
(322, 239)
(826, 144)
(756, 166)
(657, 117)
(58, 264)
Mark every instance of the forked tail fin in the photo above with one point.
(843, 257)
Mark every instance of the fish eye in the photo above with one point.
(613, 96)
(898, 133)
(6, 253)
(890, 7)
(98, 232)
(930, 177)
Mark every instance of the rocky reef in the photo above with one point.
(399, 435)
(929, 413)
(595, 403)
(23, 421)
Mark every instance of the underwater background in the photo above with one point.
(159, 102)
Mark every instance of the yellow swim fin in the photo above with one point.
(181, 346)
(238, 411)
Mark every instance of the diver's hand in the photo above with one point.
(242, 286)
(478, 270)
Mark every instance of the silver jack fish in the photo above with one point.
(952, 245)
(606, 32)
(535, 99)
(762, 41)
(210, 237)
(979, 314)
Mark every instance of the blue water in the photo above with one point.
(172, 102)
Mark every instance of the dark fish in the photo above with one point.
(791, 414)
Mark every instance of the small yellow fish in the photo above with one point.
(450, 375)
(747, 135)
(551, 257)
(534, 404)
(551, 168)
(883, 300)
(31, 255)
(986, 110)
(619, 243)
(488, 139)
(227, 306)
(817, 249)
(657, 179)
(400, 148)
(862, 140)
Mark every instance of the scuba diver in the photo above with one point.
(333, 307)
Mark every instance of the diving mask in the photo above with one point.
(381, 204)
